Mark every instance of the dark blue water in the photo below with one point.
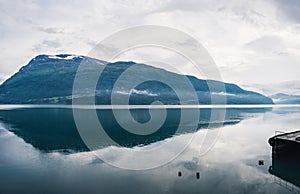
(42, 151)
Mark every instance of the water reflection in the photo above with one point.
(230, 167)
(49, 129)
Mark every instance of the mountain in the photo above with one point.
(281, 98)
(48, 79)
(286, 87)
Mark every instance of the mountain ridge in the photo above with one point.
(48, 79)
(282, 98)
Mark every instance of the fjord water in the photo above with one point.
(41, 151)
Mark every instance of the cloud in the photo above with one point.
(245, 38)
(49, 30)
(289, 87)
(266, 44)
(47, 45)
(192, 5)
(134, 91)
(289, 9)
(2, 78)
(143, 92)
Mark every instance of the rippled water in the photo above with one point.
(41, 151)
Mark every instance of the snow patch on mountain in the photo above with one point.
(64, 57)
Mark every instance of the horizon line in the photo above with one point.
(12, 106)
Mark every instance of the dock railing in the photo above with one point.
(279, 132)
(289, 186)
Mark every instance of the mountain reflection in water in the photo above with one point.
(49, 129)
(29, 165)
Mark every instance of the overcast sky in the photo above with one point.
(250, 41)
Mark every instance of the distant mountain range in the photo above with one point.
(281, 98)
(48, 79)
(287, 92)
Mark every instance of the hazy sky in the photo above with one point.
(250, 41)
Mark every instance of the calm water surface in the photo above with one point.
(41, 151)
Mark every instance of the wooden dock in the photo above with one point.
(286, 144)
